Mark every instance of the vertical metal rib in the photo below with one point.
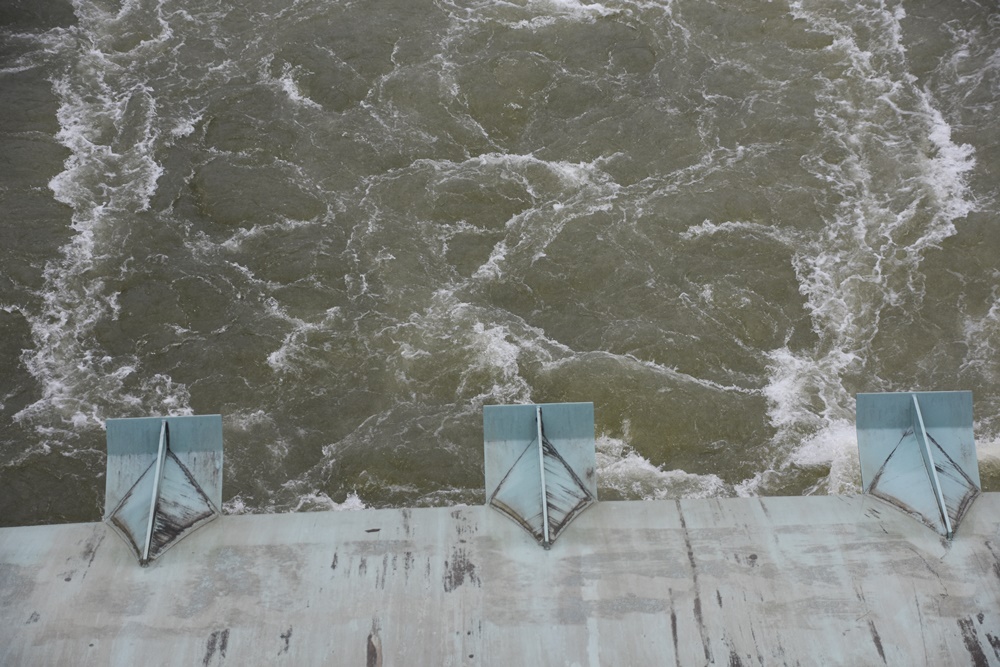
(161, 454)
(925, 450)
(546, 541)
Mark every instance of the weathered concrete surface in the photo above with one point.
(771, 581)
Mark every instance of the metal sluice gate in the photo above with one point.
(540, 464)
(164, 479)
(917, 453)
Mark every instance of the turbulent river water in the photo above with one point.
(347, 226)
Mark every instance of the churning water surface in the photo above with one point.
(347, 226)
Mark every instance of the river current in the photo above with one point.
(347, 226)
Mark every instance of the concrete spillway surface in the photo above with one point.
(769, 581)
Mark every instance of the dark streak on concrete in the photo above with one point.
(673, 629)
(33, 618)
(763, 507)
(213, 639)
(701, 627)
(694, 579)
(877, 639)
(217, 640)
(287, 637)
(994, 643)
(734, 659)
(687, 543)
(90, 550)
(458, 570)
(920, 623)
(333, 564)
(462, 524)
(374, 651)
(753, 635)
(363, 566)
(372, 530)
(972, 642)
(718, 598)
(380, 576)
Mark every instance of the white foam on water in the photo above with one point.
(584, 188)
(16, 69)
(972, 69)
(234, 242)
(315, 501)
(185, 126)
(867, 257)
(835, 446)
(630, 360)
(495, 353)
(548, 12)
(32, 49)
(104, 27)
(319, 501)
(108, 121)
(981, 335)
(575, 7)
(987, 448)
(236, 505)
(570, 173)
(533, 14)
(946, 173)
(982, 338)
(294, 351)
(486, 346)
(709, 228)
(621, 468)
(492, 268)
(712, 161)
(248, 420)
(560, 193)
(288, 84)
